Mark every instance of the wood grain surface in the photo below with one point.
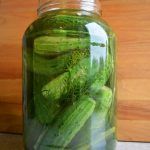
(131, 22)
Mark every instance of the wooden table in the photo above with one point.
(15, 142)
(131, 22)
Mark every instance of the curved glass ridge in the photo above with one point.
(87, 5)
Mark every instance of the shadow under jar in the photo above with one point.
(69, 78)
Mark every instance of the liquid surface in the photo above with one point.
(69, 83)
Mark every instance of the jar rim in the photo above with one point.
(85, 5)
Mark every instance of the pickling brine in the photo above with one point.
(69, 82)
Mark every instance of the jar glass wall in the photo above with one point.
(69, 82)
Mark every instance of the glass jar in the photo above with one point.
(69, 78)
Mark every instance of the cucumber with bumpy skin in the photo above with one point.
(104, 99)
(106, 72)
(56, 88)
(49, 67)
(45, 110)
(61, 32)
(47, 45)
(103, 96)
(66, 22)
(67, 125)
(54, 66)
(57, 65)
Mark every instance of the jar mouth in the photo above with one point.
(85, 5)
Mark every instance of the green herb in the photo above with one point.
(77, 76)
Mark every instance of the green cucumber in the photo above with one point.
(54, 66)
(45, 110)
(47, 45)
(100, 117)
(106, 72)
(60, 32)
(69, 22)
(104, 99)
(49, 67)
(97, 122)
(56, 88)
(103, 96)
(67, 125)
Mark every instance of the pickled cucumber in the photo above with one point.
(69, 22)
(104, 99)
(102, 95)
(47, 45)
(57, 65)
(67, 124)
